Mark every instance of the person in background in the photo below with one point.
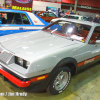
(99, 18)
(96, 19)
(90, 18)
(72, 12)
(67, 13)
(61, 13)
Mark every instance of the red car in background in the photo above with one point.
(45, 15)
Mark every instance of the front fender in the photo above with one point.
(60, 64)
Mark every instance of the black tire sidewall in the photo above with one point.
(52, 89)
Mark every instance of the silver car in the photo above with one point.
(46, 59)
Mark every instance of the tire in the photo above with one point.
(60, 81)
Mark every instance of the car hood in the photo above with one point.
(34, 43)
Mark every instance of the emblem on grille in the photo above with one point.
(23, 1)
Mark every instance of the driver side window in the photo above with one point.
(95, 36)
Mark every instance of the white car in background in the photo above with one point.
(79, 17)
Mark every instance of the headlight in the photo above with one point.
(27, 64)
(22, 62)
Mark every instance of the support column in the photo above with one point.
(75, 6)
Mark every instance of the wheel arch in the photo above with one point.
(66, 62)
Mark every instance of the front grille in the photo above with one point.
(5, 57)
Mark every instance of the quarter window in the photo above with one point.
(25, 20)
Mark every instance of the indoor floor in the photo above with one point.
(85, 85)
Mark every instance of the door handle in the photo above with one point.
(21, 28)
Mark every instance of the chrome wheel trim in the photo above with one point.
(61, 81)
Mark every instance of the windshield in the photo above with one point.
(72, 30)
(71, 17)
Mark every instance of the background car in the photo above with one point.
(14, 21)
(45, 15)
(79, 17)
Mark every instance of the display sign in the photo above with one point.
(23, 1)
(25, 5)
(53, 1)
(86, 7)
(8, 3)
(52, 9)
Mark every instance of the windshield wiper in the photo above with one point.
(53, 30)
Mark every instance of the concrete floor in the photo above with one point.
(83, 86)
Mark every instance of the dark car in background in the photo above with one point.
(45, 15)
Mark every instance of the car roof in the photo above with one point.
(41, 11)
(11, 10)
(76, 15)
(78, 21)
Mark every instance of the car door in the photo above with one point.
(12, 23)
(92, 48)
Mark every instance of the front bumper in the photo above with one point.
(18, 80)
(14, 80)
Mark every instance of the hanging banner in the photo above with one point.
(52, 1)
(25, 5)
(92, 3)
(8, 4)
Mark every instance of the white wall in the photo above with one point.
(38, 5)
(2, 2)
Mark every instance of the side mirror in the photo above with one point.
(98, 41)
